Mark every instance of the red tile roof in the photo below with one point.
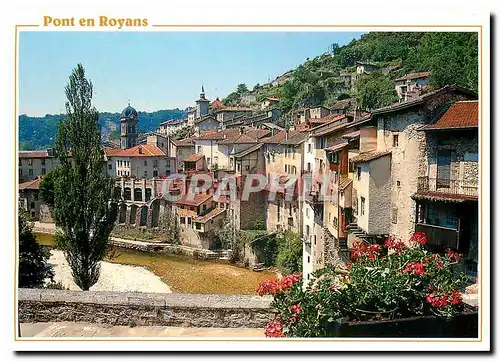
(216, 104)
(326, 119)
(258, 133)
(194, 201)
(33, 184)
(239, 139)
(194, 157)
(182, 142)
(33, 154)
(445, 197)
(278, 137)
(111, 151)
(272, 99)
(141, 150)
(217, 135)
(213, 213)
(337, 146)
(462, 114)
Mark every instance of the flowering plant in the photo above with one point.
(397, 279)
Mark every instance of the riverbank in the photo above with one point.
(184, 274)
(114, 277)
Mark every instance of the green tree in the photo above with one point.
(84, 208)
(47, 186)
(170, 225)
(242, 88)
(232, 99)
(289, 258)
(375, 90)
(34, 268)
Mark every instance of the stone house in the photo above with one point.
(318, 112)
(410, 83)
(401, 157)
(179, 149)
(169, 127)
(269, 102)
(206, 123)
(365, 68)
(30, 201)
(36, 163)
(226, 114)
(447, 192)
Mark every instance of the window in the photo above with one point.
(43, 171)
(286, 168)
(308, 259)
(362, 206)
(20, 172)
(145, 174)
(395, 140)
(307, 231)
(308, 166)
(199, 149)
(309, 148)
(20, 162)
(335, 222)
(216, 160)
(394, 214)
(30, 172)
(247, 167)
(145, 163)
(189, 220)
(43, 161)
(155, 173)
(110, 166)
(30, 161)
(307, 213)
(314, 239)
(398, 183)
(155, 162)
(359, 173)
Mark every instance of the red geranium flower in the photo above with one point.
(415, 268)
(274, 328)
(453, 256)
(419, 237)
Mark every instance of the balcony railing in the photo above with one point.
(447, 185)
(439, 236)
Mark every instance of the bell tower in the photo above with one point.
(202, 104)
(129, 127)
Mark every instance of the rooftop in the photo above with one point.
(369, 156)
(141, 150)
(213, 213)
(247, 151)
(460, 115)
(33, 154)
(33, 184)
(411, 76)
(194, 200)
(296, 139)
(194, 157)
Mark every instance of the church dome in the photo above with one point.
(128, 112)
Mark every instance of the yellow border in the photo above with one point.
(235, 339)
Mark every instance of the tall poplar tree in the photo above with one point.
(84, 208)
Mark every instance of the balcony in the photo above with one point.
(458, 187)
(439, 236)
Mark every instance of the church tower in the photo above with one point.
(129, 127)
(202, 104)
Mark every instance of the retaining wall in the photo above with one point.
(143, 309)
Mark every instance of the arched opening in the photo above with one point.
(148, 194)
(133, 214)
(155, 213)
(127, 194)
(118, 192)
(122, 215)
(138, 195)
(144, 216)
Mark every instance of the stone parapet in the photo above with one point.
(143, 309)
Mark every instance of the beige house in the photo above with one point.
(269, 102)
(225, 114)
(36, 163)
(179, 149)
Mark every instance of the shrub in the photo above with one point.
(393, 280)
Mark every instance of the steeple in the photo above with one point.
(202, 94)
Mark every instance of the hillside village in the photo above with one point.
(336, 173)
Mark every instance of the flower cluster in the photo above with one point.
(397, 246)
(274, 328)
(442, 299)
(415, 268)
(453, 256)
(418, 238)
(434, 258)
(295, 310)
(277, 286)
(362, 249)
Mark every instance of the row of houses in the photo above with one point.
(340, 177)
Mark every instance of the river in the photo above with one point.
(185, 274)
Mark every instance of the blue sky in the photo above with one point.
(157, 70)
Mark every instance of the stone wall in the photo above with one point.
(143, 309)
(45, 214)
